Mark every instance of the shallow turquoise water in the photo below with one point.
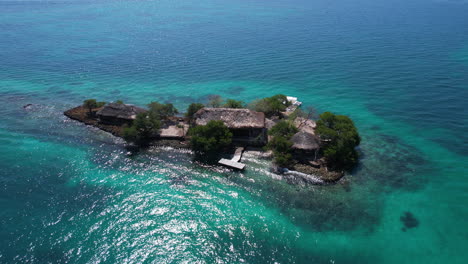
(70, 193)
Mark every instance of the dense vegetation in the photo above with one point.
(231, 103)
(217, 101)
(281, 144)
(211, 138)
(281, 148)
(192, 109)
(161, 111)
(271, 106)
(341, 137)
(144, 127)
(92, 104)
(283, 128)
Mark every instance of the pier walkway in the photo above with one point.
(235, 161)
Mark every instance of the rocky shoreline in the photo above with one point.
(324, 174)
(80, 114)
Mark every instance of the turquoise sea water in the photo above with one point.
(72, 194)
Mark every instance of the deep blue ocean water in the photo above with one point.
(72, 194)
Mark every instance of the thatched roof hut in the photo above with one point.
(120, 111)
(305, 141)
(233, 118)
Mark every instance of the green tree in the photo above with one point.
(281, 144)
(210, 138)
(231, 103)
(92, 104)
(119, 102)
(215, 101)
(192, 109)
(283, 159)
(283, 128)
(144, 128)
(281, 147)
(341, 137)
(162, 111)
(271, 105)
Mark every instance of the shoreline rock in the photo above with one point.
(324, 174)
(80, 114)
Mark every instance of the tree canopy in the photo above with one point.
(192, 109)
(215, 101)
(281, 147)
(162, 111)
(143, 128)
(231, 103)
(91, 104)
(281, 144)
(271, 105)
(341, 137)
(210, 138)
(283, 128)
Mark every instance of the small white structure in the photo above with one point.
(235, 161)
(293, 100)
(232, 164)
(294, 104)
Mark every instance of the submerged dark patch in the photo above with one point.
(392, 163)
(409, 221)
(184, 99)
(235, 90)
(115, 92)
(319, 208)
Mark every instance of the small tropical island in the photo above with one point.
(297, 139)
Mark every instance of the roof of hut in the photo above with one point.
(305, 141)
(234, 118)
(122, 111)
(269, 123)
(306, 125)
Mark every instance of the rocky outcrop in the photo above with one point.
(81, 114)
(322, 172)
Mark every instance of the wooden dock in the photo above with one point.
(235, 161)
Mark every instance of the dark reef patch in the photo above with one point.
(319, 208)
(387, 164)
(333, 214)
(409, 221)
(235, 90)
(27, 106)
(115, 92)
(392, 163)
(179, 99)
(76, 83)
